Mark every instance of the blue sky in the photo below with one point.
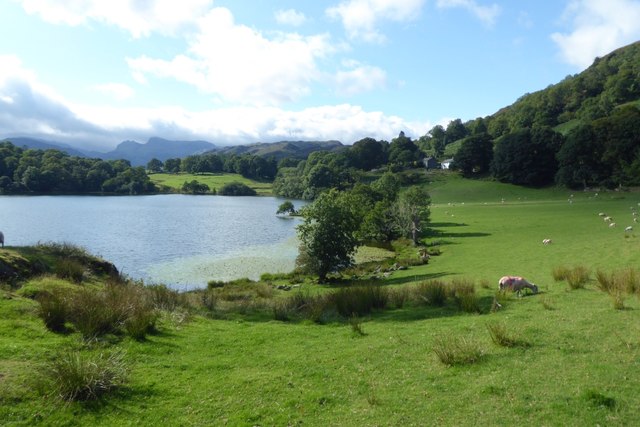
(93, 73)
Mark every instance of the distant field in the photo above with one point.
(216, 181)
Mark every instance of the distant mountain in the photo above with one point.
(282, 149)
(39, 144)
(162, 149)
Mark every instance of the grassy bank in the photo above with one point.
(216, 181)
(567, 356)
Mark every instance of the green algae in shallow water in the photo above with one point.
(196, 271)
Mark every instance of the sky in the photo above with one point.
(93, 73)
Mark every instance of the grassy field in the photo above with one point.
(213, 180)
(575, 358)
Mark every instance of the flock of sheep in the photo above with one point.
(606, 218)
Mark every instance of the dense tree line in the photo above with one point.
(53, 171)
(247, 165)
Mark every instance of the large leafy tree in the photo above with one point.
(328, 233)
(580, 159)
(411, 213)
(474, 155)
(527, 157)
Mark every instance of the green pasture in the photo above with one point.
(579, 364)
(213, 180)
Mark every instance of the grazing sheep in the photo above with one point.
(547, 241)
(516, 284)
(613, 224)
(2, 239)
(607, 219)
(629, 228)
(602, 214)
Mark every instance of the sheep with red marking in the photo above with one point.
(516, 284)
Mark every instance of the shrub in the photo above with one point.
(70, 269)
(77, 376)
(359, 300)
(53, 310)
(618, 300)
(432, 293)
(236, 189)
(453, 351)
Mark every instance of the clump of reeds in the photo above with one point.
(82, 375)
(453, 351)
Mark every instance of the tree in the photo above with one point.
(154, 165)
(286, 208)
(195, 187)
(474, 155)
(455, 131)
(328, 233)
(411, 212)
(172, 165)
(403, 151)
(368, 154)
(527, 157)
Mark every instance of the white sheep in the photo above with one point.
(602, 214)
(629, 228)
(607, 219)
(613, 224)
(547, 241)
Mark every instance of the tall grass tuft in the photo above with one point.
(69, 269)
(399, 296)
(606, 282)
(53, 310)
(359, 300)
(577, 277)
(560, 273)
(78, 376)
(164, 298)
(432, 293)
(464, 294)
(617, 298)
(453, 351)
(500, 336)
(356, 326)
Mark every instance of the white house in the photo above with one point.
(446, 163)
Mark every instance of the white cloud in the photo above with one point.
(240, 64)
(290, 17)
(360, 18)
(35, 110)
(140, 18)
(486, 14)
(360, 78)
(599, 26)
(118, 91)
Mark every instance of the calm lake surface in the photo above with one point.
(180, 240)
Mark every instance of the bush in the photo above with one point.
(359, 300)
(236, 189)
(77, 376)
(69, 269)
(453, 351)
(53, 310)
(432, 293)
(164, 298)
(560, 273)
(114, 309)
